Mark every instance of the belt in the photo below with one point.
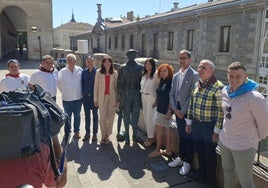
(200, 121)
(88, 94)
(145, 93)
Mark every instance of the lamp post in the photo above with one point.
(40, 47)
(82, 48)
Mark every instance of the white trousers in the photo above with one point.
(149, 113)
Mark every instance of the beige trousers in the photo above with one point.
(106, 117)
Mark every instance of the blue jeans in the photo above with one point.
(88, 105)
(72, 107)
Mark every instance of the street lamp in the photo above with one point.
(82, 48)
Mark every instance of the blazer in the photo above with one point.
(99, 87)
(188, 84)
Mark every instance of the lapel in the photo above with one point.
(185, 79)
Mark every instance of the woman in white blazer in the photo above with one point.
(105, 97)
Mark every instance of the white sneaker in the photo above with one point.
(176, 162)
(185, 169)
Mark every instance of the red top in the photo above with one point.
(107, 85)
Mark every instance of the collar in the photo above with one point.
(44, 70)
(13, 76)
(206, 84)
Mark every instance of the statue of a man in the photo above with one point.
(128, 88)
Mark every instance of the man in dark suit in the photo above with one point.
(182, 85)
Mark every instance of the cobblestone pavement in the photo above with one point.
(91, 165)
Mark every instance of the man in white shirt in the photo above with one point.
(46, 76)
(70, 86)
(14, 79)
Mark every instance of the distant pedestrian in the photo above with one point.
(14, 80)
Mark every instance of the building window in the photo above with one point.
(143, 45)
(190, 40)
(170, 40)
(115, 42)
(225, 39)
(131, 41)
(263, 80)
(109, 43)
(155, 46)
(123, 42)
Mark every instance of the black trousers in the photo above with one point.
(205, 149)
(186, 151)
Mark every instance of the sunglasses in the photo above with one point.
(228, 115)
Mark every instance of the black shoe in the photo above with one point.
(194, 176)
(86, 137)
(127, 142)
(137, 139)
(120, 137)
(94, 138)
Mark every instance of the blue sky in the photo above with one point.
(86, 10)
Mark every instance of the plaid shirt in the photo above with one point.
(206, 104)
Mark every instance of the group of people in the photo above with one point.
(207, 112)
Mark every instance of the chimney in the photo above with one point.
(130, 16)
(99, 13)
(175, 5)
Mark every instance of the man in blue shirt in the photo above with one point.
(88, 78)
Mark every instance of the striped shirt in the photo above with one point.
(206, 104)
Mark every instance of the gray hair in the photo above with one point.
(13, 61)
(71, 55)
(209, 62)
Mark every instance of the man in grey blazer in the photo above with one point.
(182, 85)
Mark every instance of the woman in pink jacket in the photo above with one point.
(244, 125)
(105, 97)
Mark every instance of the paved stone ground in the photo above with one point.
(91, 165)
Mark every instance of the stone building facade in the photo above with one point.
(223, 31)
(22, 18)
(62, 33)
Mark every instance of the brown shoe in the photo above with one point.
(148, 142)
(86, 137)
(77, 135)
(154, 154)
(94, 138)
